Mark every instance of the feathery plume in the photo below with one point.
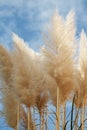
(82, 71)
(58, 54)
(28, 78)
(7, 96)
(10, 107)
(8, 99)
(5, 64)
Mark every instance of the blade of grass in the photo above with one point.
(80, 127)
(72, 112)
(65, 125)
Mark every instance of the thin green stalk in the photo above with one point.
(72, 113)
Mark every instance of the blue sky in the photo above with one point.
(28, 18)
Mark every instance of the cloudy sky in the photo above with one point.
(28, 18)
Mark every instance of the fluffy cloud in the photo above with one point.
(28, 18)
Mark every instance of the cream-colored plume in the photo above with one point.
(82, 79)
(8, 99)
(9, 106)
(83, 59)
(83, 50)
(23, 71)
(29, 80)
(7, 96)
(58, 54)
(5, 64)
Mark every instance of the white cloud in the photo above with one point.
(35, 13)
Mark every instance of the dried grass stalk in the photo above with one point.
(18, 114)
(28, 119)
(58, 111)
(83, 115)
(64, 115)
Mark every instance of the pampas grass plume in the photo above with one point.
(58, 54)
